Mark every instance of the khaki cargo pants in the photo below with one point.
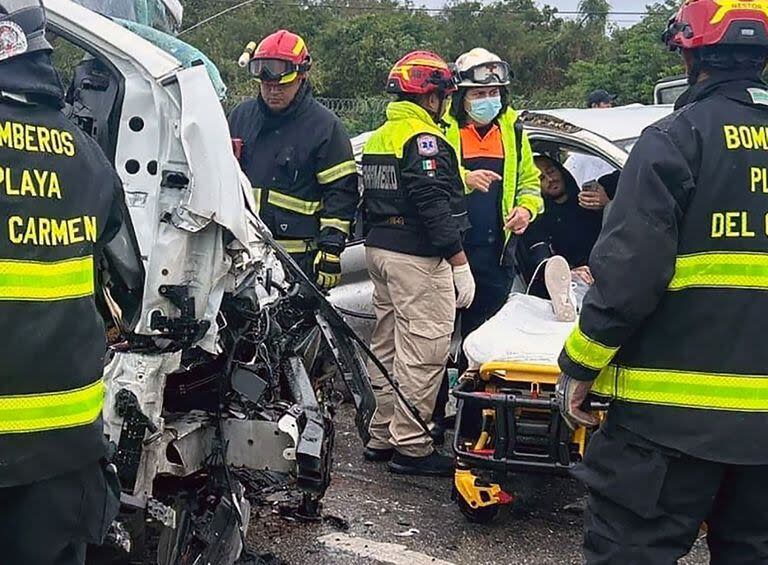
(415, 307)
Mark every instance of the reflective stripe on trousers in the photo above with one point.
(294, 246)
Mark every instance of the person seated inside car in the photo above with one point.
(555, 249)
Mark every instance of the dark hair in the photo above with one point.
(571, 186)
(458, 111)
(401, 97)
(418, 99)
(733, 58)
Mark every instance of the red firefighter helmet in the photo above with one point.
(281, 57)
(704, 23)
(421, 72)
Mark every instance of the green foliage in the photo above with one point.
(630, 63)
(354, 43)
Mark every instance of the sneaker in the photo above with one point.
(432, 465)
(378, 455)
(557, 277)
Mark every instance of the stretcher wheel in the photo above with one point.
(483, 515)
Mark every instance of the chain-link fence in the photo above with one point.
(358, 114)
(365, 114)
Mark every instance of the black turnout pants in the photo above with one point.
(646, 504)
(51, 522)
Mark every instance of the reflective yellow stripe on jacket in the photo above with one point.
(55, 410)
(344, 226)
(674, 387)
(337, 172)
(41, 281)
(588, 352)
(721, 270)
(689, 389)
(287, 202)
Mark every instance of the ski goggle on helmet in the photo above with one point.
(488, 73)
(275, 70)
(281, 57)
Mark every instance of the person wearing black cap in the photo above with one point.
(60, 203)
(600, 99)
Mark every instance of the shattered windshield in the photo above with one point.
(157, 14)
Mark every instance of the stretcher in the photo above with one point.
(507, 420)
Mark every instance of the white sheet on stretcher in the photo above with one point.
(524, 331)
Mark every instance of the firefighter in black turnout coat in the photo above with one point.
(60, 202)
(298, 158)
(673, 329)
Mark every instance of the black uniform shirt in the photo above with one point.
(431, 220)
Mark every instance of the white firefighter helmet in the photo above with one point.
(480, 67)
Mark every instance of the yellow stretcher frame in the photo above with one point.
(476, 496)
(540, 374)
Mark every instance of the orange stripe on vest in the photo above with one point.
(474, 147)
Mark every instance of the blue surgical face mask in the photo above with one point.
(484, 110)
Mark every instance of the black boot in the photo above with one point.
(432, 465)
(438, 433)
(378, 455)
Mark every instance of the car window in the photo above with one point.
(670, 94)
(585, 167)
(92, 90)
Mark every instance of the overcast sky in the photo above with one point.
(572, 5)
(616, 5)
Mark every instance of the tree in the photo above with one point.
(354, 43)
(631, 63)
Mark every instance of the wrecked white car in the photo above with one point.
(221, 380)
(608, 135)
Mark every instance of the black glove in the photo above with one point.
(327, 267)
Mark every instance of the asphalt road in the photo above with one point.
(373, 517)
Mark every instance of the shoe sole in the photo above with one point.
(398, 469)
(557, 277)
(376, 458)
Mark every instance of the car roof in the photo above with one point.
(616, 124)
